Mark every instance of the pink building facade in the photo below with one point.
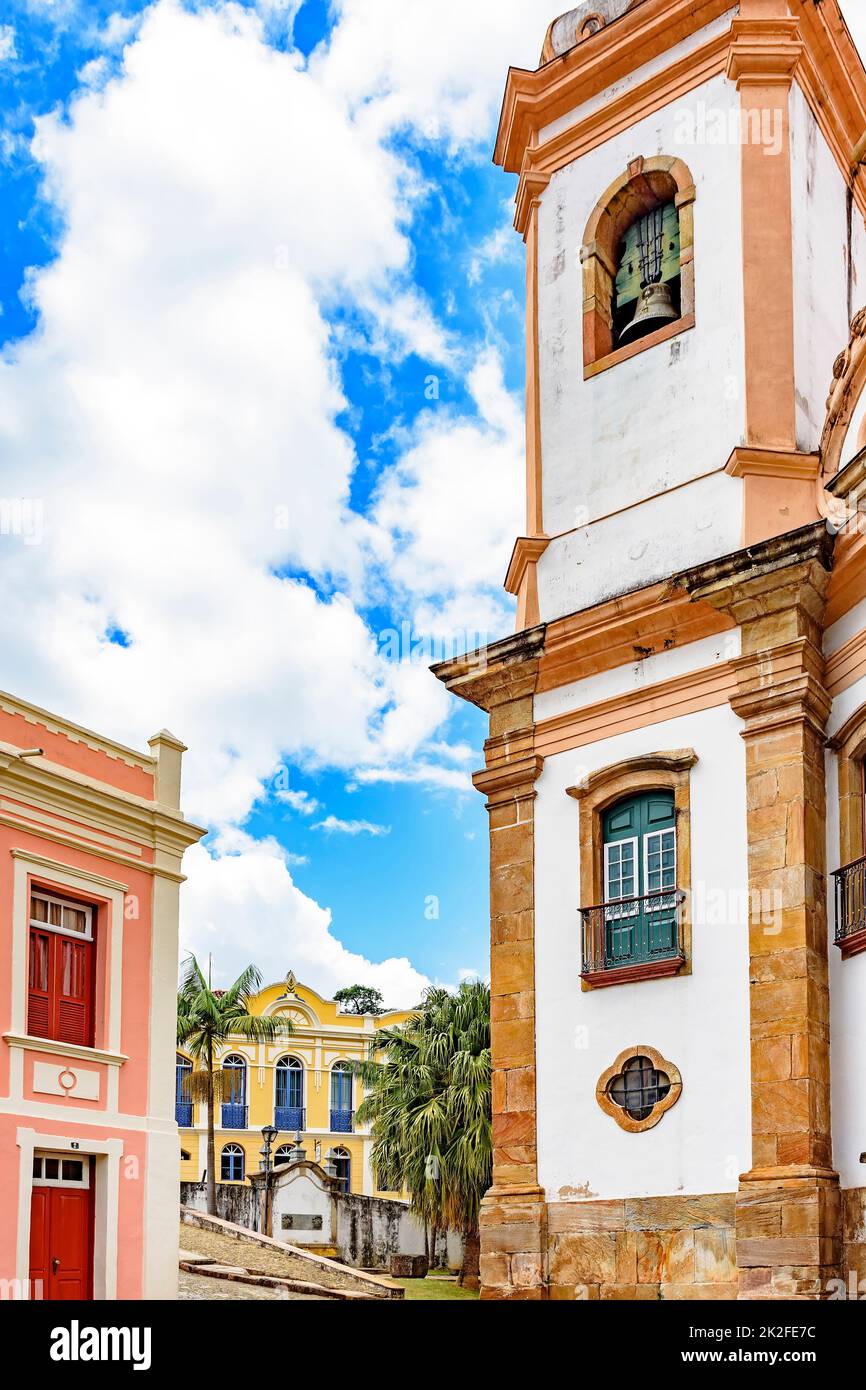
(91, 849)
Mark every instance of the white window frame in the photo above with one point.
(609, 903)
(295, 1064)
(662, 905)
(34, 869)
(245, 1069)
(46, 897)
(233, 1149)
(40, 1156)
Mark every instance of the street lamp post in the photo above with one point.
(269, 1135)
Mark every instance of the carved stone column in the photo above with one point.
(788, 1207)
(514, 1213)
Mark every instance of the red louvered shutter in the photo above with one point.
(73, 991)
(60, 999)
(39, 985)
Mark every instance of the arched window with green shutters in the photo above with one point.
(640, 879)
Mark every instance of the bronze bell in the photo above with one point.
(655, 307)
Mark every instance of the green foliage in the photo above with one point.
(360, 999)
(207, 1018)
(427, 1100)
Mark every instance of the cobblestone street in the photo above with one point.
(199, 1287)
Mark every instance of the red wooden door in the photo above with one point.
(61, 1243)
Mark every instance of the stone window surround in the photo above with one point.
(616, 1112)
(647, 772)
(649, 181)
(849, 745)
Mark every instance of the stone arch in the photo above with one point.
(642, 185)
(662, 771)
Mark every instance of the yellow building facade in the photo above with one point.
(302, 1084)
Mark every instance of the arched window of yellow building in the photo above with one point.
(289, 1096)
(341, 1098)
(234, 1106)
(343, 1164)
(232, 1163)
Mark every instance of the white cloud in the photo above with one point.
(302, 802)
(501, 244)
(119, 29)
(242, 905)
(176, 416)
(440, 70)
(94, 73)
(332, 825)
(420, 774)
(7, 43)
(450, 510)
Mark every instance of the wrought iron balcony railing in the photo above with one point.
(633, 938)
(183, 1113)
(342, 1121)
(289, 1118)
(851, 907)
(234, 1117)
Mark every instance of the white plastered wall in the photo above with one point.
(699, 1022)
(820, 250)
(683, 400)
(847, 977)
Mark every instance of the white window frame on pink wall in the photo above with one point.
(26, 867)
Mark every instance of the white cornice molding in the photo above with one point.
(104, 807)
(63, 1049)
(84, 875)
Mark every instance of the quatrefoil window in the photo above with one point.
(639, 1088)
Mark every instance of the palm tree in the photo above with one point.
(428, 1103)
(206, 1019)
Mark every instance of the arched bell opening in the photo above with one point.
(638, 260)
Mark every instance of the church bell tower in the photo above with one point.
(674, 771)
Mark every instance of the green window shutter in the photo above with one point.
(640, 865)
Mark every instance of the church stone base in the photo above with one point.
(643, 1248)
(854, 1241)
(513, 1244)
(791, 1239)
(789, 1235)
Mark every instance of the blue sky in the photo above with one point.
(252, 585)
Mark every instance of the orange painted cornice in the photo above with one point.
(750, 462)
(527, 550)
(624, 630)
(810, 45)
(534, 99)
(764, 50)
(834, 83)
